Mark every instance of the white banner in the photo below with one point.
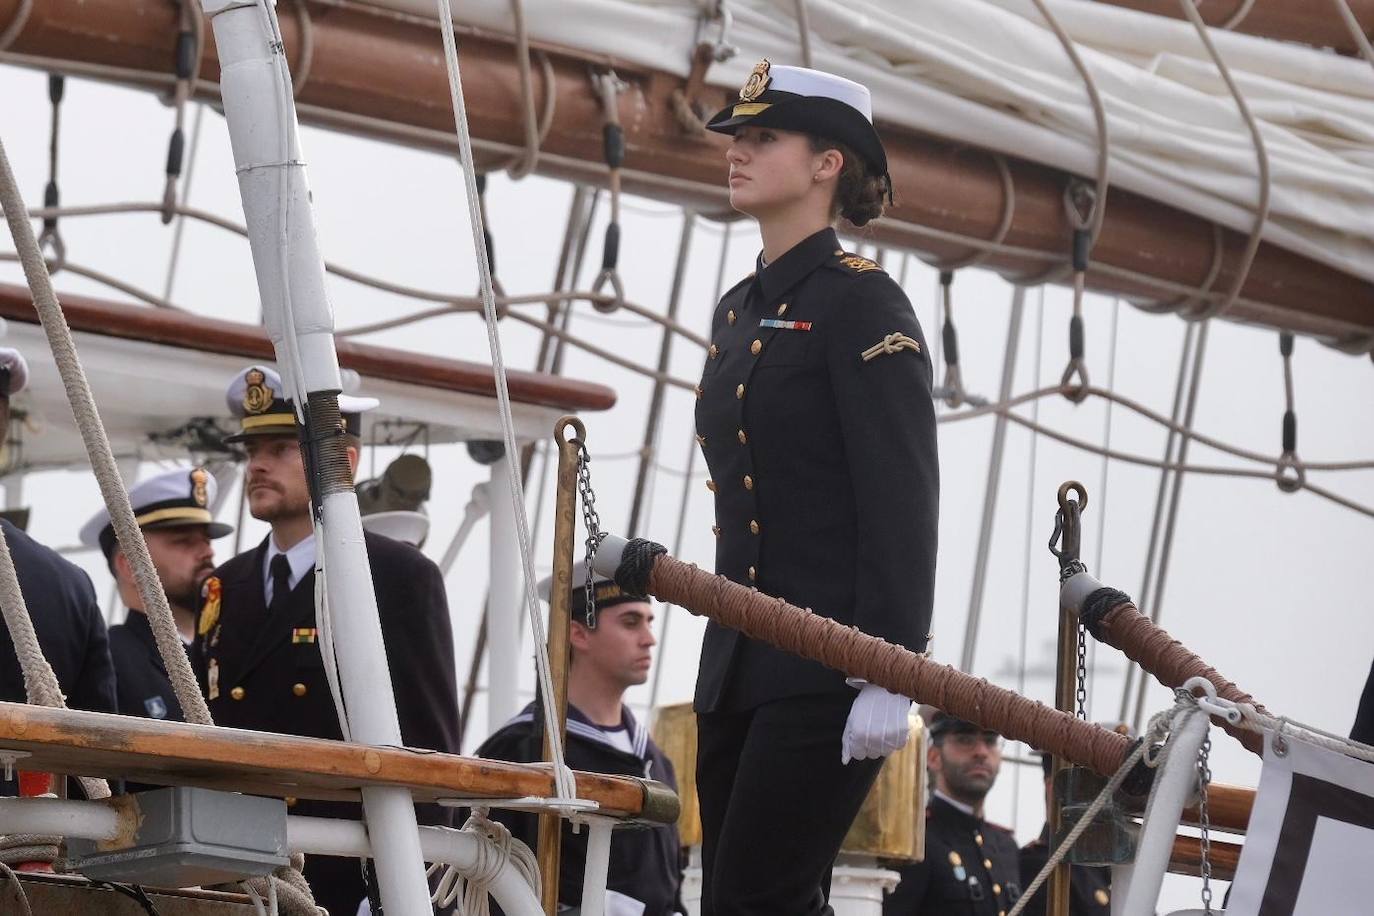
(1309, 850)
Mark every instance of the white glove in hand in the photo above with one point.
(877, 724)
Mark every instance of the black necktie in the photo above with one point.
(281, 584)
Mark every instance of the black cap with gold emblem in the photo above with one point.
(173, 499)
(257, 397)
(811, 102)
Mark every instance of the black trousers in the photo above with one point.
(776, 803)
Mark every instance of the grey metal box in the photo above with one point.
(190, 836)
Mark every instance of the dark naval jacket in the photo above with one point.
(971, 868)
(141, 681)
(1090, 888)
(70, 627)
(814, 413)
(646, 864)
(267, 674)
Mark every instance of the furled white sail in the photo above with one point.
(991, 73)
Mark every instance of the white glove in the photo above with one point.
(877, 724)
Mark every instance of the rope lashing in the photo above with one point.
(1112, 618)
(613, 140)
(51, 236)
(1080, 203)
(1289, 474)
(645, 568)
(951, 390)
(487, 239)
(497, 849)
(184, 63)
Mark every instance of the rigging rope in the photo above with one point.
(51, 237)
(1343, 7)
(1289, 474)
(1098, 211)
(1162, 722)
(564, 786)
(608, 85)
(185, 64)
(21, 18)
(804, 33)
(1262, 160)
(471, 888)
(129, 536)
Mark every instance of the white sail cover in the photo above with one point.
(992, 74)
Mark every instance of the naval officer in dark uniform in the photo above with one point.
(814, 413)
(60, 599)
(173, 510)
(257, 638)
(971, 866)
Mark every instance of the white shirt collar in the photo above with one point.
(967, 809)
(301, 556)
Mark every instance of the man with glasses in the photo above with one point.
(971, 867)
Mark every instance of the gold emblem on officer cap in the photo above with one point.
(258, 396)
(199, 479)
(757, 82)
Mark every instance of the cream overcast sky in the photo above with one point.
(1272, 589)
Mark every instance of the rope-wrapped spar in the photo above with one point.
(1112, 618)
(641, 567)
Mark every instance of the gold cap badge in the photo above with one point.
(758, 81)
(259, 395)
(198, 486)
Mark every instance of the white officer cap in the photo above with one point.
(810, 101)
(13, 363)
(172, 499)
(257, 397)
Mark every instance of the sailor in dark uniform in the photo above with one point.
(645, 874)
(971, 866)
(173, 509)
(60, 599)
(814, 413)
(257, 637)
(1090, 887)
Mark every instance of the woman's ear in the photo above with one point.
(829, 164)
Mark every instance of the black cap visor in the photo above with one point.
(815, 115)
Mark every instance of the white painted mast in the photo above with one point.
(258, 105)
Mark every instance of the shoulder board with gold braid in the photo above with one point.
(857, 264)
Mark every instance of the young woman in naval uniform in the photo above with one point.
(814, 413)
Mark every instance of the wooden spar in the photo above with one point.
(214, 335)
(1316, 24)
(1187, 858)
(174, 753)
(382, 74)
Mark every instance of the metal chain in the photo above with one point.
(592, 521)
(1082, 670)
(1204, 774)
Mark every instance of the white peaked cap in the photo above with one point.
(182, 496)
(819, 84)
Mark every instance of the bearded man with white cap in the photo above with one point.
(173, 510)
(59, 596)
(257, 638)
